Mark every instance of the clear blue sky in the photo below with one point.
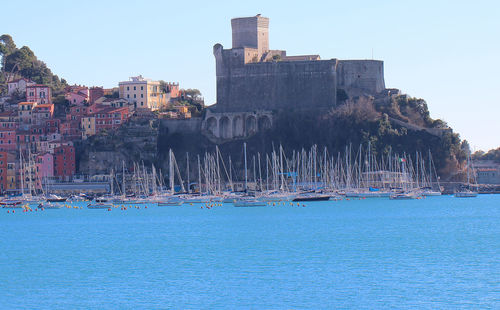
(446, 52)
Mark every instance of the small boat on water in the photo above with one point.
(466, 194)
(11, 204)
(245, 202)
(47, 206)
(311, 197)
(100, 205)
(405, 196)
(55, 198)
(167, 203)
(431, 193)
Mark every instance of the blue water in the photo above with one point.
(439, 252)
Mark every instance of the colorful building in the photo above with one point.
(110, 118)
(64, 162)
(143, 93)
(44, 168)
(3, 172)
(18, 85)
(95, 93)
(70, 130)
(25, 111)
(52, 125)
(88, 127)
(42, 113)
(9, 120)
(38, 93)
(8, 139)
(11, 174)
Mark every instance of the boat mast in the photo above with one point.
(123, 179)
(187, 168)
(199, 175)
(171, 172)
(245, 154)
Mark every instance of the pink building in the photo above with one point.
(77, 94)
(44, 168)
(9, 119)
(8, 139)
(38, 93)
(76, 98)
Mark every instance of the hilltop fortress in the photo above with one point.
(253, 81)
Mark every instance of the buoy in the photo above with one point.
(145, 207)
(13, 211)
(8, 211)
(109, 209)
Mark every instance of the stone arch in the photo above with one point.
(250, 125)
(264, 122)
(225, 128)
(238, 126)
(212, 125)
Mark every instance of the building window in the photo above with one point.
(128, 88)
(135, 96)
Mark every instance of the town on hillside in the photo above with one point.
(37, 136)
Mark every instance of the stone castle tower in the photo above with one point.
(251, 32)
(251, 77)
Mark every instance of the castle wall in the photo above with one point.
(361, 76)
(191, 125)
(272, 85)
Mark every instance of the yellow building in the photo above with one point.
(11, 176)
(88, 127)
(143, 93)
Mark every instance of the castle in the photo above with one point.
(253, 80)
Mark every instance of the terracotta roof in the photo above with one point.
(8, 113)
(44, 105)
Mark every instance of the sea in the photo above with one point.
(433, 253)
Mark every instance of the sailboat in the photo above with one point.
(467, 192)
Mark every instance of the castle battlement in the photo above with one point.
(252, 77)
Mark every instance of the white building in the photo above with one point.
(19, 85)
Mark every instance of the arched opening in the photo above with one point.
(264, 122)
(212, 125)
(250, 125)
(225, 128)
(237, 126)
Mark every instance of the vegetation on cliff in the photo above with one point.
(22, 62)
(493, 155)
(354, 123)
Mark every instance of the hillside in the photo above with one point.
(22, 62)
